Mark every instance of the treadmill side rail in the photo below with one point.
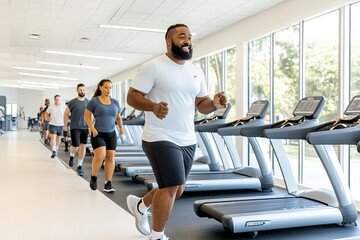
(260, 221)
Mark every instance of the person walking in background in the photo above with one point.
(169, 89)
(66, 132)
(45, 122)
(79, 131)
(55, 115)
(106, 112)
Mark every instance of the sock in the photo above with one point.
(53, 148)
(80, 161)
(66, 145)
(156, 235)
(72, 154)
(141, 206)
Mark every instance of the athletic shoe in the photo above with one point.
(141, 219)
(93, 183)
(108, 187)
(79, 171)
(71, 161)
(53, 154)
(163, 237)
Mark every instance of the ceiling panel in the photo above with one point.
(61, 24)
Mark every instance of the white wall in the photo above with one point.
(31, 100)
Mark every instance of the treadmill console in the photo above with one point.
(354, 106)
(310, 107)
(351, 119)
(220, 113)
(257, 110)
(223, 112)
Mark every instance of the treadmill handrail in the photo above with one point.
(236, 130)
(299, 131)
(344, 136)
(258, 131)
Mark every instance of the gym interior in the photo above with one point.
(282, 161)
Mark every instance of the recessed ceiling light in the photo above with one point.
(40, 69)
(83, 55)
(69, 65)
(84, 40)
(34, 36)
(46, 76)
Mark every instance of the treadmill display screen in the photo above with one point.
(354, 106)
(307, 107)
(256, 109)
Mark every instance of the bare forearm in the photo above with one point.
(206, 106)
(139, 102)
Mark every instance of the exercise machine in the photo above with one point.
(297, 208)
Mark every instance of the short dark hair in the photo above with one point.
(80, 85)
(174, 26)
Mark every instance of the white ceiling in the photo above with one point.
(61, 24)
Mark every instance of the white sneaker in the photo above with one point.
(141, 220)
(163, 237)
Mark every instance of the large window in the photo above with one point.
(230, 82)
(286, 83)
(259, 82)
(355, 90)
(274, 73)
(310, 59)
(321, 75)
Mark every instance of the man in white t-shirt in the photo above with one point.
(55, 115)
(169, 89)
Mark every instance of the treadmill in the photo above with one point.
(296, 208)
(204, 162)
(243, 177)
(211, 162)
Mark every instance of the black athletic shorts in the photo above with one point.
(79, 136)
(57, 130)
(108, 139)
(171, 163)
(46, 125)
(65, 133)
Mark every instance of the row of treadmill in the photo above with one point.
(217, 167)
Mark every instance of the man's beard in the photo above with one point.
(81, 94)
(179, 53)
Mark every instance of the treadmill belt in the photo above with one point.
(215, 176)
(217, 210)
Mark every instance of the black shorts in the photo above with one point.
(79, 136)
(65, 133)
(46, 125)
(108, 139)
(171, 163)
(57, 130)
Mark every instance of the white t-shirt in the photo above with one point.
(163, 80)
(56, 114)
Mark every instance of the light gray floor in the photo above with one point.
(41, 198)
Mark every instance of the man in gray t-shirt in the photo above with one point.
(78, 128)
